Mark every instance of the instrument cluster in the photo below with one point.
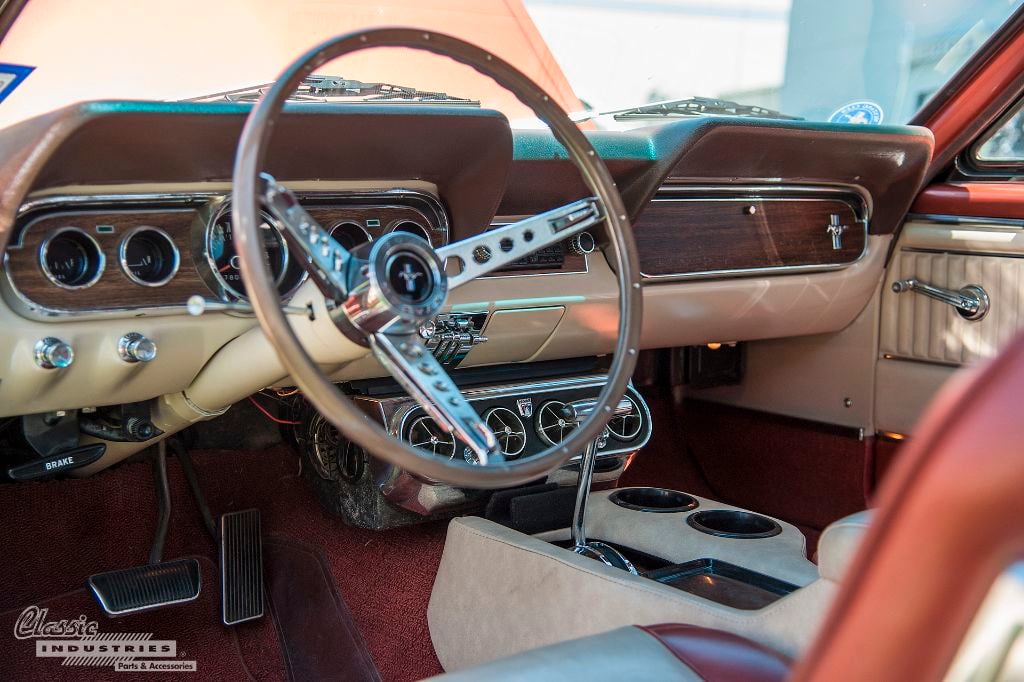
(144, 254)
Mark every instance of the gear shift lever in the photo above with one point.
(576, 412)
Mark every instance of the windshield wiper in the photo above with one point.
(691, 106)
(334, 89)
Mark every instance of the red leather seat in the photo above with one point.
(718, 656)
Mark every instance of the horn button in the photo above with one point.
(409, 277)
(404, 286)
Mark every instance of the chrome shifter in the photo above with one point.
(576, 413)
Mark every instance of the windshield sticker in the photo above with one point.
(11, 76)
(858, 113)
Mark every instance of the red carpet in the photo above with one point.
(56, 534)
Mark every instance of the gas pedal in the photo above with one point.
(142, 588)
(241, 566)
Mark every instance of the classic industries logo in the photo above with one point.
(79, 641)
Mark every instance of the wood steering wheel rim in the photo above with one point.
(318, 389)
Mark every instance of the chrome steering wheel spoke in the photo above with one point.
(501, 247)
(326, 260)
(423, 378)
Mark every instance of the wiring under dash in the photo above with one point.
(266, 413)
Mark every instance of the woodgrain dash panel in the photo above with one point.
(113, 290)
(690, 236)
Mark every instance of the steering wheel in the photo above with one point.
(381, 299)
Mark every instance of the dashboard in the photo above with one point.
(116, 221)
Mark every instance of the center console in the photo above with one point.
(525, 413)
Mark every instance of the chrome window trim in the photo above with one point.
(101, 265)
(29, 309)
(756, 191)
(122, 252)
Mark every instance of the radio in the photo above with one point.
(549, 257)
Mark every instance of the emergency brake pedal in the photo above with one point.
(241, 566)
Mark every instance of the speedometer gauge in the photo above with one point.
(224, 256)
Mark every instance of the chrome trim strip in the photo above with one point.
(101, 263)
(122, 256)
(778, 192)
(941, 219)
(747, 186)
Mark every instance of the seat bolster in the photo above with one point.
(622, 654)
(840, 542)
(719, 656)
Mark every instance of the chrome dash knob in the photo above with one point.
(52, 353)
(582, 244)
(134, 347)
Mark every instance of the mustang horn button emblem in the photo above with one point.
(410, 277)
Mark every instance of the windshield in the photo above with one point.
(858, 61)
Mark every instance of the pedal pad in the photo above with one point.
(141, 588)
(241, 566)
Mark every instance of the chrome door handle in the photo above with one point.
(971, 301)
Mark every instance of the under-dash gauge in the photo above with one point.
(227, 268)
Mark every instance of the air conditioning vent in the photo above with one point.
(628, 426)
(324, 444)
(509, 429)
(552, 426)
(426, 434)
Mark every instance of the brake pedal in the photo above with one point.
(141, 588)
(158, 583)
(241, 566)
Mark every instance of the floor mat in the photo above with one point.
(319, 638)
(56, 534)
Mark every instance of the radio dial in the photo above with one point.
(582, 244)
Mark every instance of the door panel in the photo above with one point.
(920, 328)
(923, 341)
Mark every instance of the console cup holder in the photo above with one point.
(731, 523)
(657, 500)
